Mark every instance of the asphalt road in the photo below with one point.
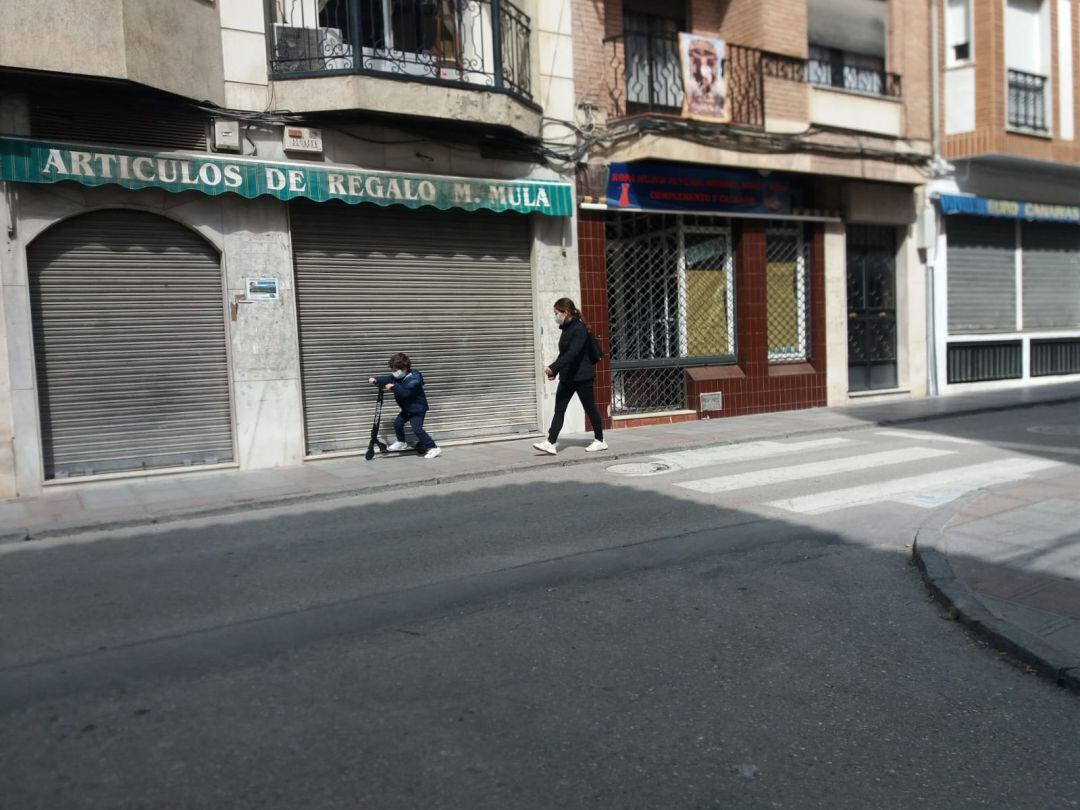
(742, 629)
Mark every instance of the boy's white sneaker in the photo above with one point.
(546, 447)
(596, 445)
(434, 452)
(397, 446)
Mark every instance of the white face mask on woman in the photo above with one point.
(398, 373)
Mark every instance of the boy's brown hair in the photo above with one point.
(402, 361)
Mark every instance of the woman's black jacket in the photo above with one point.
(572, 364)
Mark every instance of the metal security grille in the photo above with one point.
(787, 294)
(982, 275)
(1050, 357)
(1050, 259)
(982, 362)
(1027, 101)
(871, 302)
(671, 304)
(451, 289)
(129, 344)
(117, 118)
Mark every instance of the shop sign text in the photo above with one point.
(36, 162)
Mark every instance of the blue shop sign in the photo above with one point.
(1008, 209)
(659, 187)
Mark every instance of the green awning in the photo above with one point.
(30, 161)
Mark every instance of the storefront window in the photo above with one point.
(671, 301)
(787, 294)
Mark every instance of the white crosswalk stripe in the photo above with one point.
(924, 436)
(751, 451)
(816, 469)
(927, 491)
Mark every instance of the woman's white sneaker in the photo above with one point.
(434, 452)
(596, 445)
(397, 447)
(546, 447)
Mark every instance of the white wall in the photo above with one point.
(959, 100)
(839, 108)
(1065, 69)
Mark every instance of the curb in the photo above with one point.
(21, 534)
(928, 553)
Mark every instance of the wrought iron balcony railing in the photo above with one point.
(1027, 101)
(858, 73)
(645, 76)
(469, 43)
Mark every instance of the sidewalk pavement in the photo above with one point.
(1007, 565)
(1000, 563)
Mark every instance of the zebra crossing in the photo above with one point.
(954, 473)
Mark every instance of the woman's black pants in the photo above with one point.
(563, 395)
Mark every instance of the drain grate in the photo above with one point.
(641, 468)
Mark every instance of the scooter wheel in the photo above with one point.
(369, 455)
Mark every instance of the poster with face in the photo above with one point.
(704, 89)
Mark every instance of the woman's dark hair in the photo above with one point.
(402, 361)
(568, 305)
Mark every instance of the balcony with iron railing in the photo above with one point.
(645, 76)
(1027, 102)
(469, 44)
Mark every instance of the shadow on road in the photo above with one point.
(536, 644)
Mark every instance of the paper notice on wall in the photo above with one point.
(262, 288)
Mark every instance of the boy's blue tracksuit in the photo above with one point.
(410, 397)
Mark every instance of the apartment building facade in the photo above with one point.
(221, 217)
(767, 261)
(1004, 229)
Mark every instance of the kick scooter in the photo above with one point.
(376, 442)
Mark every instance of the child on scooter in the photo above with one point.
(408, 387)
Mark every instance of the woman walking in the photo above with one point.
(574, 368)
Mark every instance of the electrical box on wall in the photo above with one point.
(302, 139)
(226, 135)
(712, 402)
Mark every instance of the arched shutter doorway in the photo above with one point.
(129, 345)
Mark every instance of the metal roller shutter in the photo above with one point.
(982, 275)
(1051, 258)
(451, 289)
(129, 345)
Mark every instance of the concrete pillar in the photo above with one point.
(265, 354)
(836, 315)
(555, 265)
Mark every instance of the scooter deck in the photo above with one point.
(376, 442)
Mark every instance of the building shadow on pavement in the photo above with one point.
(547, 643)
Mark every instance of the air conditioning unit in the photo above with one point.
(296, 50)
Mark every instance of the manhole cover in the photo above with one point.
(641, 468)
(1056, 430)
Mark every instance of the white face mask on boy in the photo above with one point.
(398, 373)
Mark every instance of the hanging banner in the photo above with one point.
(28, 161)
(704, 83)
(1008, 209)
(657, 186)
